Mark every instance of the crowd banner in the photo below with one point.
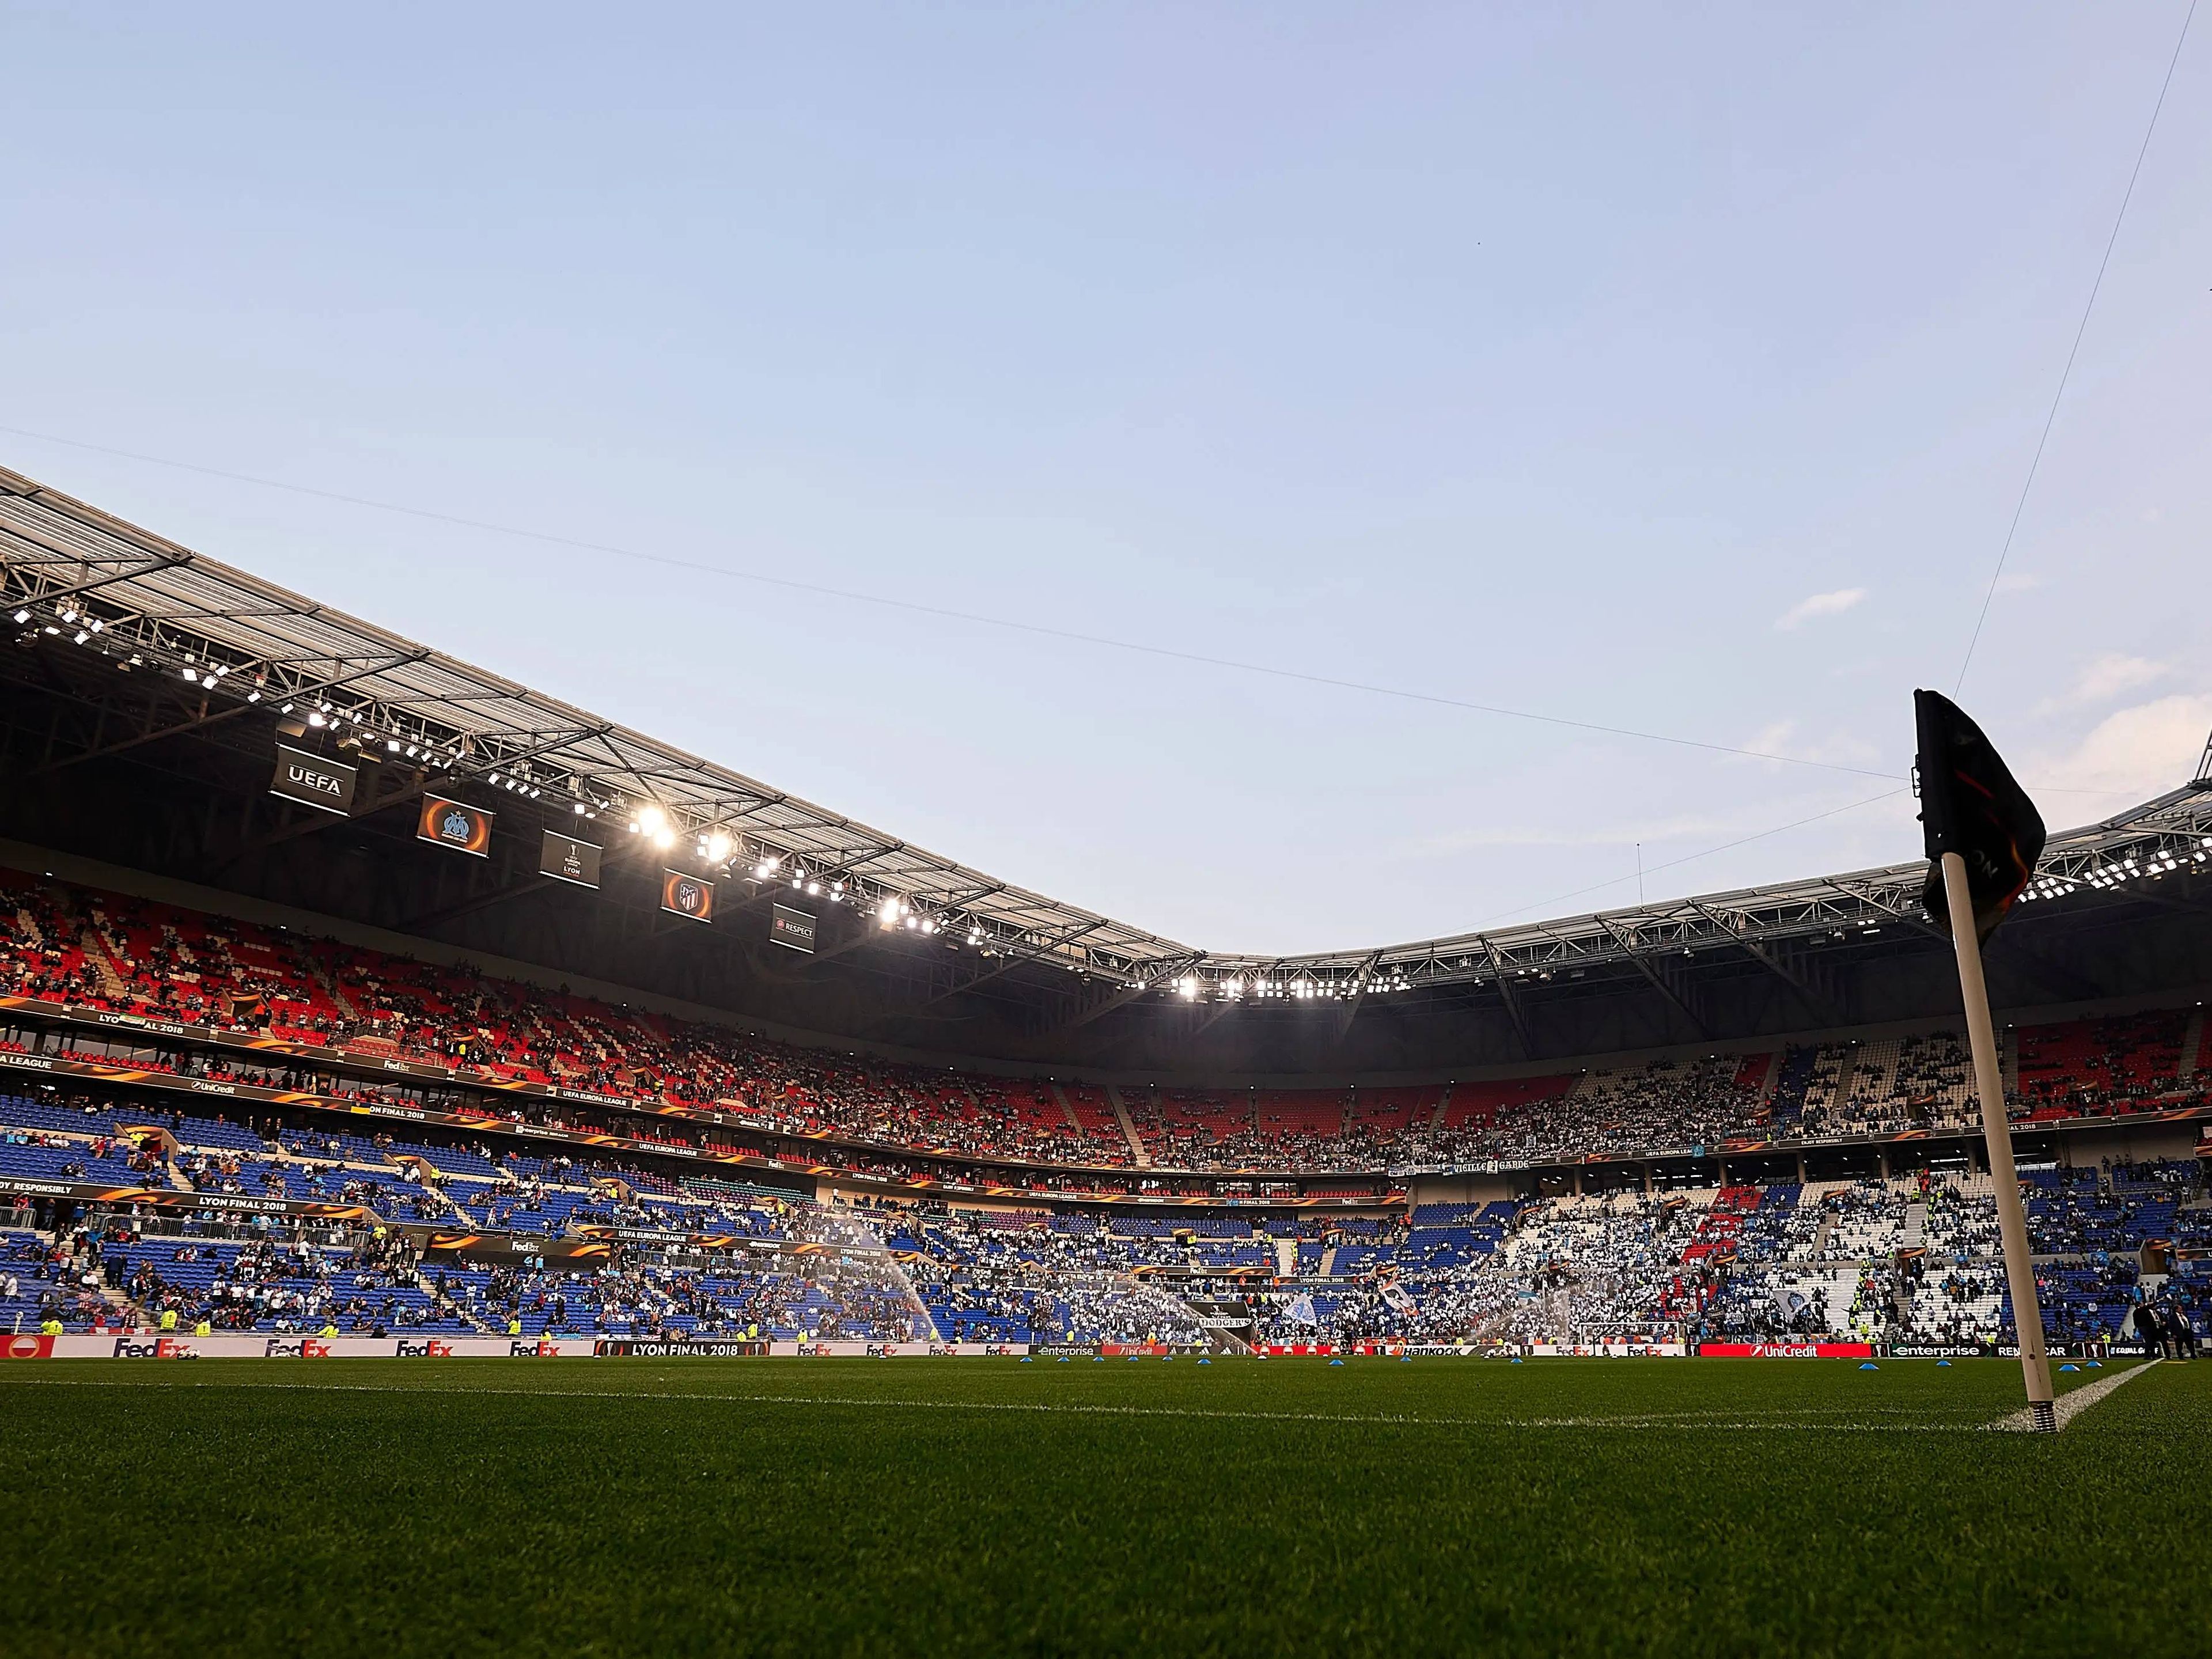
(697, 1347)
(840, 1349)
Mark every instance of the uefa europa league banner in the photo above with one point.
(452, 824)
(566, 859)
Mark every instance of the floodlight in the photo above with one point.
(653, 822)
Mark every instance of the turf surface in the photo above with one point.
(670, 1507)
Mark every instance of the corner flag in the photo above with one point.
(1983, 837)
(1969, 805)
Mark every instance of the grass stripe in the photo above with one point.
(1658, 1420)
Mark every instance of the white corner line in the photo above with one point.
(2071, 1405)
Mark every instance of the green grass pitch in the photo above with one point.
(985, 1506)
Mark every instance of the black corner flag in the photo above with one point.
(1983, 838)
(1969, 805)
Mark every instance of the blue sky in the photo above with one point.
(1661, 368)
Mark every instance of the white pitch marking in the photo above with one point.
(2071, 1404)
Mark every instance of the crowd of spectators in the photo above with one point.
(79, 946)
(1913, 1260)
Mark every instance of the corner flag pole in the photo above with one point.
(1983, 837)
(1989, 1083)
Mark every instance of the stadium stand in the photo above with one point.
(80, 947)
(1912, 1259)
(1908, 1260)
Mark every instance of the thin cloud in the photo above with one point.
(2103, 677)
(1820, 604)
(2141, 751)
(1780, 737)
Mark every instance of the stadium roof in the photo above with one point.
(243, 643)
